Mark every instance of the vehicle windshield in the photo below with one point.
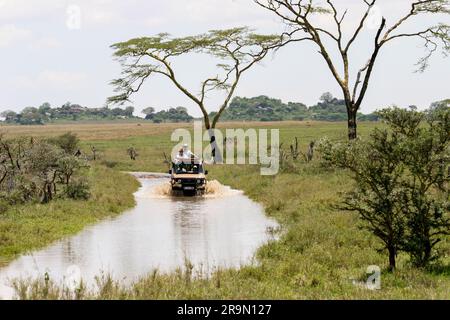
(191, 168)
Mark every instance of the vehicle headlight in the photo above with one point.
(179, 181)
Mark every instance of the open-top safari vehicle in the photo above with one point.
(187, 174)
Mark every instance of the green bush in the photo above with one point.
(12, 198)
(402, 181)
(68, 142)
(77, 190)
(36, 170)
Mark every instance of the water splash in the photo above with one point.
(214, 189)
(162, 190)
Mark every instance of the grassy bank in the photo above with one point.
(32, 226)
(322, 253)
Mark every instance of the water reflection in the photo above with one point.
(160, 232)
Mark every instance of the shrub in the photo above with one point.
(68, 142)
(77, 190)
(68, 166)
(34, 170)
(401, 176)
(41, 167)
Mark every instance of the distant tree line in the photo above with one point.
(328, 108)
(261, 108)
(67, 112)
(179, 114)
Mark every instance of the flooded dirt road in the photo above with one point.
(222, 229)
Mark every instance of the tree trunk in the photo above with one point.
(215, 151)
(392, 256)
(352, 133)
(426, 253)
(47, 193)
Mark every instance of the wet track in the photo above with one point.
(222, 229)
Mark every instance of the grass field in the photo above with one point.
(320, 254)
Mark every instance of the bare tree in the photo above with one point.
(298, 15)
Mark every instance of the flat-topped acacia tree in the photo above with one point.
(236, 50)
(298, 15)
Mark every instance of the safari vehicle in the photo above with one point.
(188, 177)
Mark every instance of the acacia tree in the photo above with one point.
(236, 50)
(298, 15)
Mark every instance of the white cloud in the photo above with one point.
(61, 78)
(229, 11)
(102, 17)
(51, 79)
(207, 14)
(154, 22)
(92, 11)
(9, 34)
(11, 10)
(45, 43)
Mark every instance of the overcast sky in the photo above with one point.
(58, 51)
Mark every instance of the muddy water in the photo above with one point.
(222, 229)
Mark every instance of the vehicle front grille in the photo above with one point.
(189, 181)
